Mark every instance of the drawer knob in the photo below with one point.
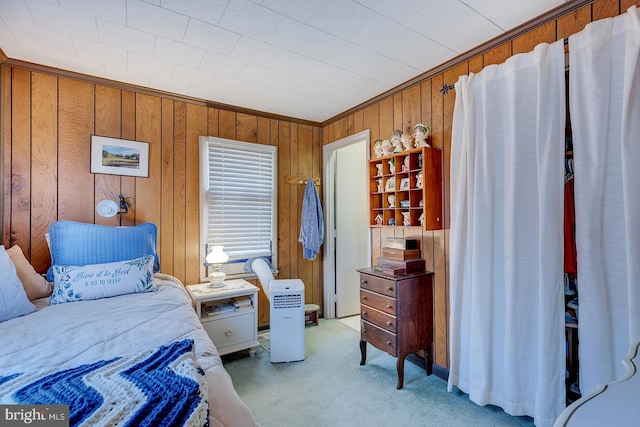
(228, 332)
(389, 343)
(364, 297)
(363, 281)
(389, 288)
(364, 313)
(388, 323)
(388, 305)
(364, 331)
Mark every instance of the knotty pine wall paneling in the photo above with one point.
(47, 122)
(44, 129)
(108, 122)
(425, 103)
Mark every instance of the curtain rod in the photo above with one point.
(446, 88)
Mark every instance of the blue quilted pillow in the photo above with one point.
(78, 243)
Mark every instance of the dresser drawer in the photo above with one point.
(378, 284)
(378, 318)
(378, 337)
(232, 330)
(380, 302)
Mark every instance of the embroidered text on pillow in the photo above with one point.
(89, 282)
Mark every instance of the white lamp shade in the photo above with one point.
(107, 208)
(217, 255)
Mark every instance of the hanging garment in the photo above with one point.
(570, 257)
(312, 223)
(506, 322)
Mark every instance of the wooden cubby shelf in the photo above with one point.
(397, 175)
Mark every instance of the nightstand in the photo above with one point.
(229, 314)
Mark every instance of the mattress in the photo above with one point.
(82, 332)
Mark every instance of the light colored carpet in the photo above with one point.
(351, 321)
(330, 388)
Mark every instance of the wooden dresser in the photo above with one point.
(396, 315)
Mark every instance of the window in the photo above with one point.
(238, 200)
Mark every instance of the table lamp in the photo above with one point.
(216, 258)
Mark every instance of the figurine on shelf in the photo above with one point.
(392, 221)
(379, 182)
(396, 141)
(406, 220)
(378, 219)
(392, 164)
(419, 180)
(387, 147)
(377, 148)
(379, 169)
(420, 203)
(392, 200)
(421, 219)
(407, 141)
(420, 135)
(405, 164)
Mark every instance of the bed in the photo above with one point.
(143, 355)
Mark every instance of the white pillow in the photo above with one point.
(95, 281)
(13, 298)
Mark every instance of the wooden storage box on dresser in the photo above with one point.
(396, 315)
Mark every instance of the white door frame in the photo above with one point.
(329, 262)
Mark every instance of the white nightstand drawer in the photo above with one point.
(232, 330)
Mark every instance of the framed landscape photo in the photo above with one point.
(119, 156)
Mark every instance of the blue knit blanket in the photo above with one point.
(161, 387)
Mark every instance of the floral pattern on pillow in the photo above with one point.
(95, 281)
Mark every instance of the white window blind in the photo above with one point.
(238, 182)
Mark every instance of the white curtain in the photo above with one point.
(604, 99)
(507, 340)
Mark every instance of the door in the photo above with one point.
(350, 222)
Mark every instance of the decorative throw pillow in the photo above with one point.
(78, 243)
(13, 298)
(34, 284)
(95, 281)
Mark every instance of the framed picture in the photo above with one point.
(119, 156)
(404, 184)
(390, 185)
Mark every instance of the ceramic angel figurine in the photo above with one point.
(396, 141)
(379, 169)
(387, 147)
(407, 141)
(377, 148)
(420, 135)
(392, 200)
(379, 182)
(405, 164)
(419, 180)
(421, 219)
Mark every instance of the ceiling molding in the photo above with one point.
(29, 66)
(552, 15)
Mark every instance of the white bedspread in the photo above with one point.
(71, 334)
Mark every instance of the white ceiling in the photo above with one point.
(308, 59)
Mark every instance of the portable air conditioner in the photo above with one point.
(286, 330)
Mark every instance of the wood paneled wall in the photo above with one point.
(47, 122)
(424, 103)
